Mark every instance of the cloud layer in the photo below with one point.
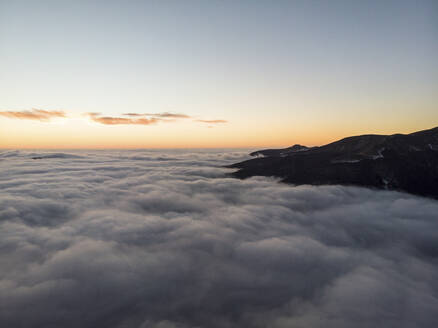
(166, 239)
(34, 114)
(124, 119)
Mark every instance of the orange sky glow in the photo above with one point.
(132, 131)
(221, 74)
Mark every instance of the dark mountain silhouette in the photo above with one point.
(280, 152)
(405, 162)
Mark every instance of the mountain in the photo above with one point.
(404, 162)
(280, 152)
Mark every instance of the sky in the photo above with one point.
(214, 73)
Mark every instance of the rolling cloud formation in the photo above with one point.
(166, 239)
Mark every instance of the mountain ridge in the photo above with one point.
(404, 162)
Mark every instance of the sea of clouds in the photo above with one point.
(167, 239)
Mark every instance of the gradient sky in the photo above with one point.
(278, 72)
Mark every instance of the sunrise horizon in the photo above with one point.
(309, 139)
(218, 163)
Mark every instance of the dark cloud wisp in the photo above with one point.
(166, 239)
(169, 115)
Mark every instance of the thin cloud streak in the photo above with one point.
(146, 118)
(170, 115)
(109, 120)
(158, 115)
(34, 114)
(212, 121)
(133, 114)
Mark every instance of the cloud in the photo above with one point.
(145, 118)
(167, 239)
(212, 121)
(110, 120)
(159, 115)
(169, 115)
(133, 118)
(34, 114)
(133, 114)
